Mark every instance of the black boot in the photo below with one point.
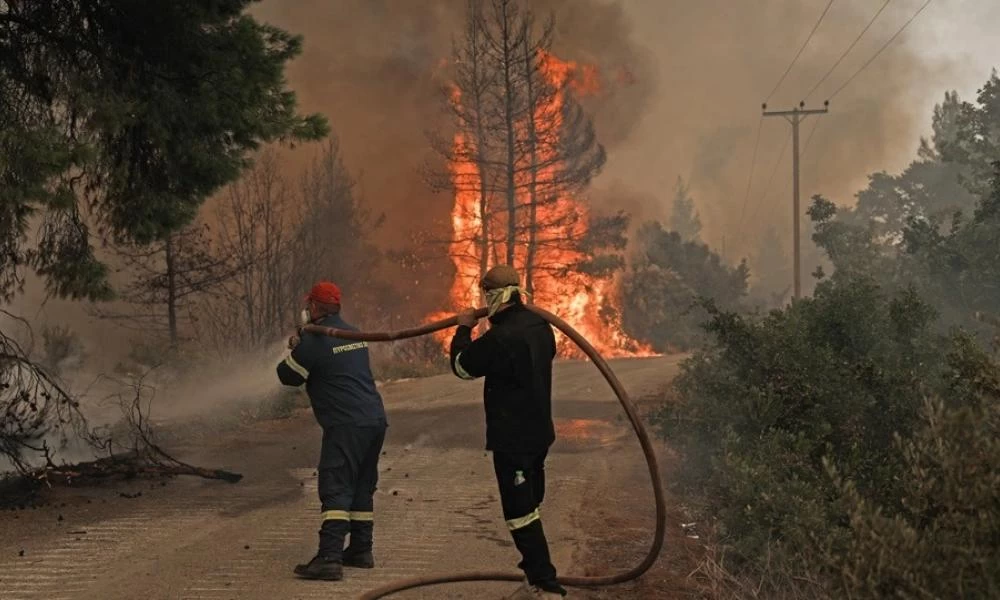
(536, 563)
(328, 562)
(359, 560)
(359, 552)
(321, 567)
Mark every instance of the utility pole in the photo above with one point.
(796, 116)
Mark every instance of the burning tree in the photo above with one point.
(522, 152)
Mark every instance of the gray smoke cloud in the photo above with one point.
(682, 88)
(717, 61)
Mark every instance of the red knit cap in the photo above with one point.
(325, 292)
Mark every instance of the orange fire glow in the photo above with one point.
(562, 222)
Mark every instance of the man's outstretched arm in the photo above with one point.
(294, 370)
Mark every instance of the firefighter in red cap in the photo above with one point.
(515, 356)
(338, 378)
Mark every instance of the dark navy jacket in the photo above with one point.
(338, 377)
(515, 356)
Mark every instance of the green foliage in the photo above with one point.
(968, 134)
(132, 113)
(942, 542)
(843, 439)
(948, 266)
(933, 227)
(602, 244)
(850, 440)
(664, 282)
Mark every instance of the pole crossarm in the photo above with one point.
(802, 112)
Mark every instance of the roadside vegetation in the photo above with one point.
(846, 445)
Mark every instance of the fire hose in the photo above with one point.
(633, 416)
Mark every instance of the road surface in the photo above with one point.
(436, 508)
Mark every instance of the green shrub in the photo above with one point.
(944, 541)
(840, 383)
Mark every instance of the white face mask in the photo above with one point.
(304, 317)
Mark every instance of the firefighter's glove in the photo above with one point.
(467, 318)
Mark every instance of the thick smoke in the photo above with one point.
(717, 61)
(683, 83)
(376, 69)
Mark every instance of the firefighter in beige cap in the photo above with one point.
(515, 356)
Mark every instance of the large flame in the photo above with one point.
(587, 303)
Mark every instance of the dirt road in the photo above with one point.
(436, 509)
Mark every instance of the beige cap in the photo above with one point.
(501, 276)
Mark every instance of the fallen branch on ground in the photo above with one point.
(35, 409)
(124, 467)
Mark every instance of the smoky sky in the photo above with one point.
(717, 61)
(683, 81)
(682, 87)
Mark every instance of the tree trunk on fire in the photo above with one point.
(510, 126)
(529, 260)
(476, 59)
(534, 147)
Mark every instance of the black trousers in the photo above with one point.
(521, 478)
(348, 477)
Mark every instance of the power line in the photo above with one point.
(794, 60)
(880, 50)
(848, 51)
(753, 163)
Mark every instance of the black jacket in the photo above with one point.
(515, 356)
(338, 377)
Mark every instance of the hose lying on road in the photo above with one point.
(640, 431)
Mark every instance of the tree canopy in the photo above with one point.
(934, 227)
(666, 278)
(124, 117)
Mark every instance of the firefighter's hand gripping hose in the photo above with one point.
(640, 431)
